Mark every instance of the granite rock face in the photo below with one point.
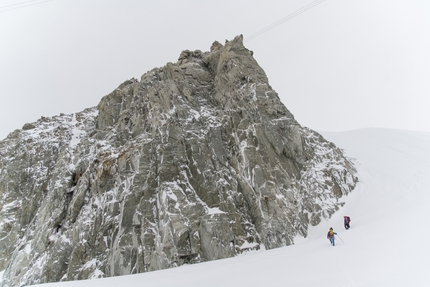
(199, 160)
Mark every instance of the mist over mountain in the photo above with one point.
(196, 161)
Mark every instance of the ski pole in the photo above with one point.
(340, 238)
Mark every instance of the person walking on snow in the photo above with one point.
(346, 221)
(330, 235)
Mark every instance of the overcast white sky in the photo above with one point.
(344, 64)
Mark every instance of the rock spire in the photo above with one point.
(198, 160)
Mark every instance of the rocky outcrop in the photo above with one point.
(197, 161)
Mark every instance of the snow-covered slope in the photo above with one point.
(387, 244)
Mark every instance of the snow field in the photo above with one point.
(387, 244)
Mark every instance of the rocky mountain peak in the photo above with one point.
(198, 160)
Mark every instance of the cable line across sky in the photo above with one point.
(28, 3)
(285, 19)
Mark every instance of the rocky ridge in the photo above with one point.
(199, 160)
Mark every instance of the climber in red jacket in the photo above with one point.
(346, 221)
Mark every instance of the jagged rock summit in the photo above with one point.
(197, 161)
